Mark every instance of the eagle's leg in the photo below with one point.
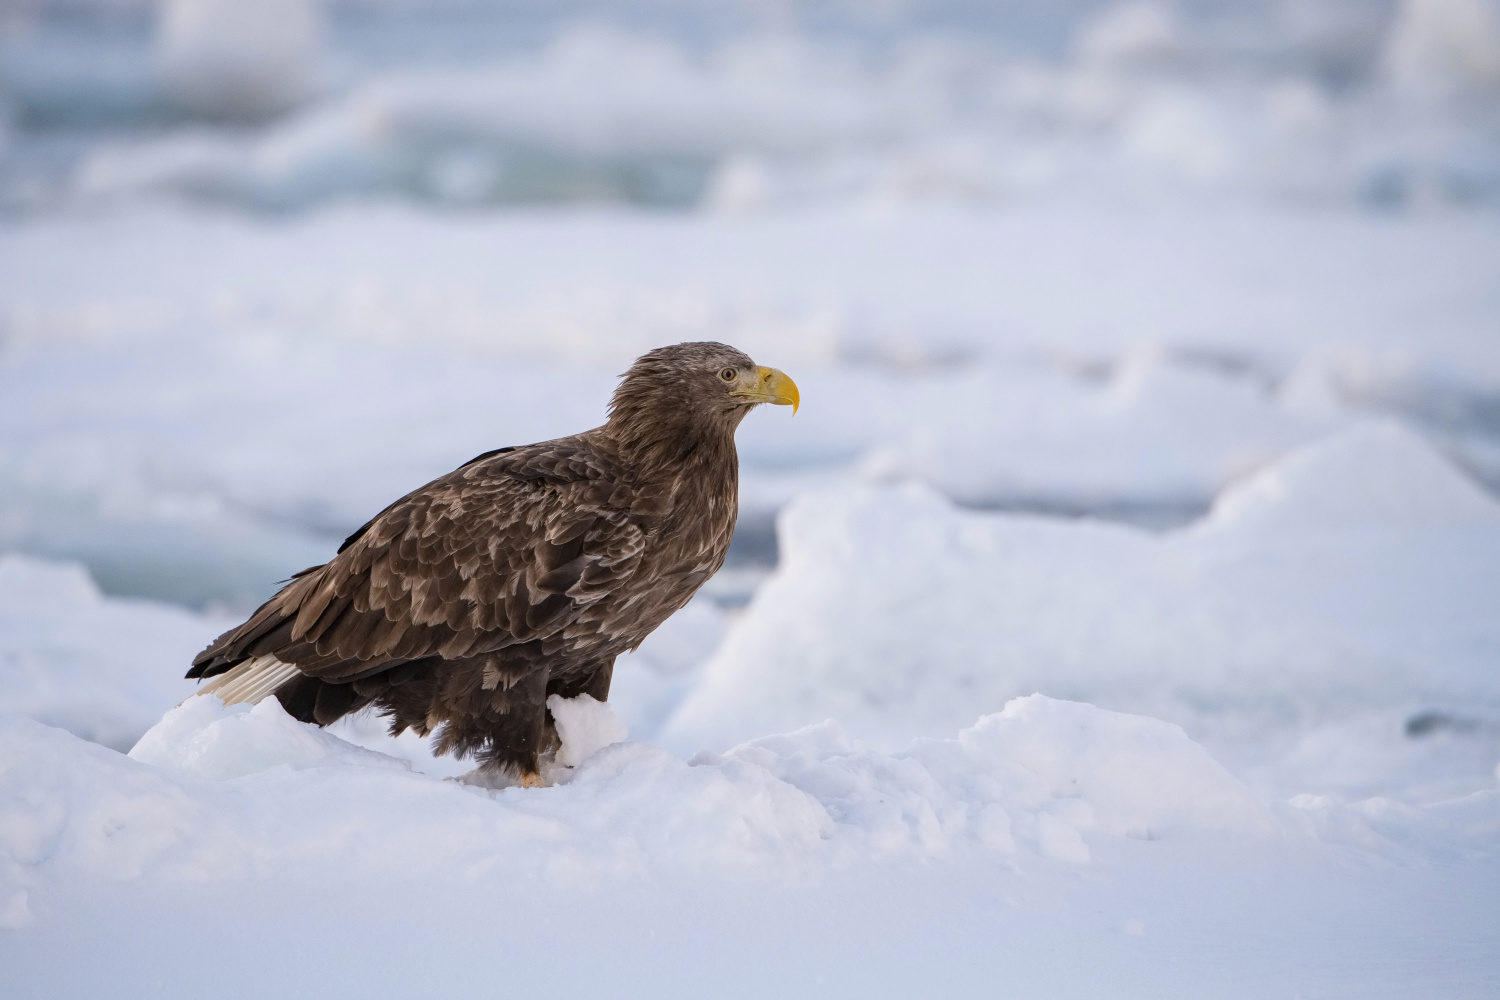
(516, 741)
(510, 746)
(496, 712)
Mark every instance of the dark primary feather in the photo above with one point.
(523, 573)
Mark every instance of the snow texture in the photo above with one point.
(1360, 570)
(220, 793)
(157, 402)
(71, 657)
(1116, 618)
(585, 726)
(1337, 103)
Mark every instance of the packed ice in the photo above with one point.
(1311, 101)
(1117, 617)
(1360, 570)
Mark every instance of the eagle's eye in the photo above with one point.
(728, 374)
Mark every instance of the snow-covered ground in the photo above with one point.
(1335, 596)
(196, 401)
(1119, 616)
(1328, 631)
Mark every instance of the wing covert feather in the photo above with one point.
(512, 547)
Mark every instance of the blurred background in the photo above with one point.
(267, 264)
(739, 106)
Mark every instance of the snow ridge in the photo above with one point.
(1353, 573)
(218, 792)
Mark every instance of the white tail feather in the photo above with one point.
(250, 681)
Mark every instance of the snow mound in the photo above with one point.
(100, 667)
(242, 790)
(1378, 474)
(650, 682)
(1140, 777)
(898, 614)
(1041, 773)
(204, 738)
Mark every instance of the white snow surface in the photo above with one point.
(1037, 777)
(1337, 103)
(1326, 631)
(71, 657)
(1117, 617)
(585, 726)
(1355, 576)
(243, 810)
(195, 404)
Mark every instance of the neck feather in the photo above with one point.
(655, 437)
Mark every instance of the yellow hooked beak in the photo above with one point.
(768, 386)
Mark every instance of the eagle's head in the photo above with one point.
(702, 385)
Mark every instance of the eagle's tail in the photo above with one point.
(250, 681)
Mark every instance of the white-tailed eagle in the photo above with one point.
(461, 607)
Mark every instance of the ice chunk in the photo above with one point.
(1375, 475)
(1358, 572)
(585, 727)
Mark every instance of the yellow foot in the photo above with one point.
(495, 777)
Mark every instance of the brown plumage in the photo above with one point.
(462, 606)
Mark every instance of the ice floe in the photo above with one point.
(1357, 574)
